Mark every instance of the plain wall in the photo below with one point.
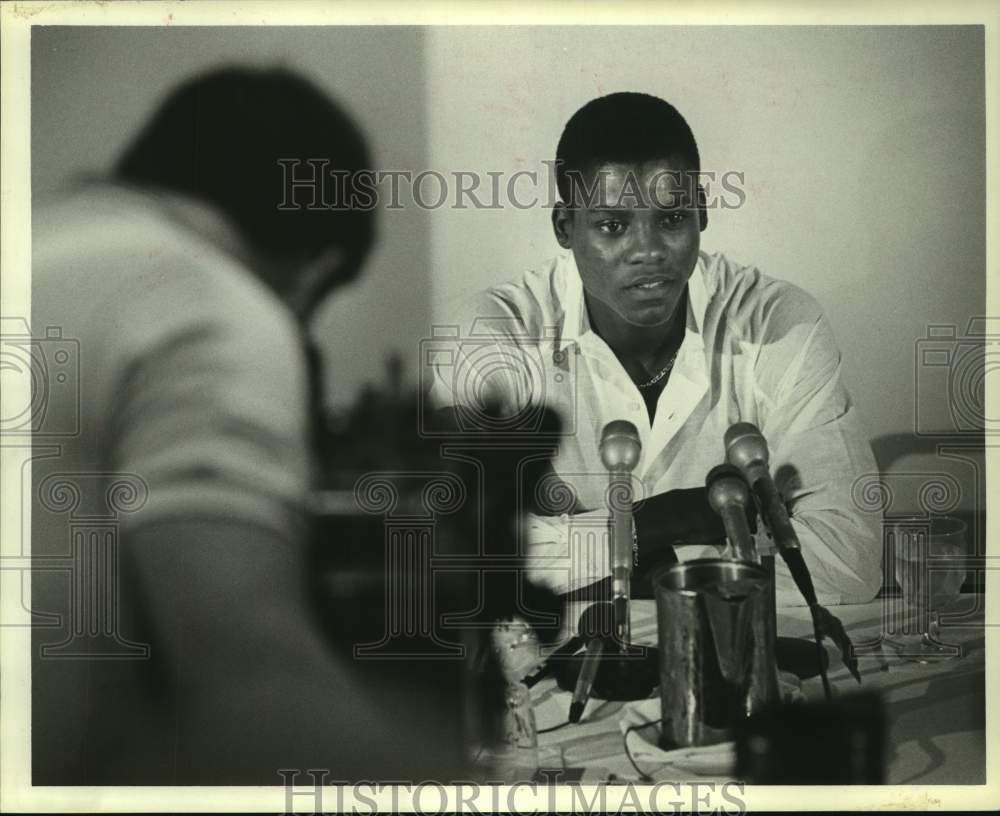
(863, 151)
(92, 88)
(862, 148)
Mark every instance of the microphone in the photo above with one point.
(747, 449)
(620, 449)
(729, 495)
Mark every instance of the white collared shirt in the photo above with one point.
(755, 350)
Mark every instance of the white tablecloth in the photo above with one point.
(935, 712)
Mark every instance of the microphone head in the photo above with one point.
(620, 445)
(726, 487)
(745, 446)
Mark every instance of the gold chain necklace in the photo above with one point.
(661, 374)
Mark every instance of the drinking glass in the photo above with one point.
(929, 568)
(514, 757)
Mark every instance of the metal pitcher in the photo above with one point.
(716, 648)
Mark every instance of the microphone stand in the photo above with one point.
(616, 669)
(729, 496)
(747, 449)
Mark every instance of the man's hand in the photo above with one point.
(677, 518)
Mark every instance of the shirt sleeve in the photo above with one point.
(568, 552)
(211, 410)
(486, 361)
(818, 452)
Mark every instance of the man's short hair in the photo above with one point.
(623, 127)
(219, 137)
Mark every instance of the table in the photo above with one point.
(935, 712)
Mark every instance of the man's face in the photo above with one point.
(634, 230)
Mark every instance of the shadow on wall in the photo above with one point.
(934, 475)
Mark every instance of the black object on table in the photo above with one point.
(834, 742)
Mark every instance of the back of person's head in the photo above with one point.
(219, 138)
(626, 127)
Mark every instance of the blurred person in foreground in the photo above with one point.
(188, 289)
(634, 321)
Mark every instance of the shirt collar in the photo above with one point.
(576, 323)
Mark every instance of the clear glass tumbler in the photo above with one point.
(514, 756)
(929, 568)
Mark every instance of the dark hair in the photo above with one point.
(218, 138)
(622, 127)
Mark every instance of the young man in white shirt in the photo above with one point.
(635, 322)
